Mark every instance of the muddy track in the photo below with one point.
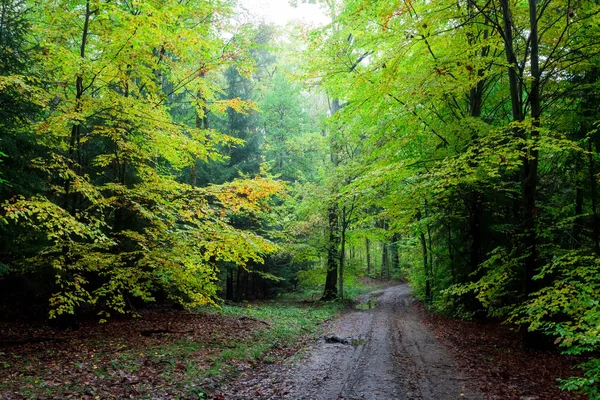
(391, 355)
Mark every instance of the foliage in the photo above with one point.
(145, 146)
(467, 130)
(569, 310)
(114, 221)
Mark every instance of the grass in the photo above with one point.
(175, 366)
(287, 321)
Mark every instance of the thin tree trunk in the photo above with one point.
(475, 197)
(425, 266)
(342, 254)
(513, 78)
(201, 123)
(74, 140)
(394, 250)
(475, 231)
(330, 291)
(425, 259)
(246, 276)
(515, 93)
(368, 248)
(451, 254)
(229, 285)
(531, 167)
(238, 285)
(594, 199)
(430, 252)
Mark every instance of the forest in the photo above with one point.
(190, 156)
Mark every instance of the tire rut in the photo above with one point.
(394, 356)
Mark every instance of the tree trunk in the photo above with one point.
(475, 197)
(342, 255)
(475, 231)
(430, 253)
(594, 199)
(384, 260)
(513, 78)
(246, 277)
(74, 140)
(238, 285)
(229, 285)
(451, 253)
(368, 248)
(201, 123)
(395, 259)
(531, 167)
(330, 291)
(515, 93)
(425, 259)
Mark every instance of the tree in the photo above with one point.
(463, 109)
(115, 222)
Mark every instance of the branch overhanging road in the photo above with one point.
(390, 354)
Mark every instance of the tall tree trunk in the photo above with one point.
(238, 284)
(330, 291)
(253, 286)
(425, 266)
(75, 138)
(516, 98)
(475, 197)
(475, 231)
(451, 253)
(395, 259)
(425, 259)
(531, 167)
(368, 248)
(246, 277)
(385, 265)
(594, 199)
(513, 76)
(342, 254)
(430, 252)
(229, 285)
(201, 123)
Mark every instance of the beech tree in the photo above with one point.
(157, 151)
(463, 109)
(114, 221)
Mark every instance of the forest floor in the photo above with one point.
(395, 350)
(163, 354)
(385, 347)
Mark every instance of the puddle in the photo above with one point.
(368, 305)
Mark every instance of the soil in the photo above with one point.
(387, 347)
(391, 354)
(122, 359)
(490, 353)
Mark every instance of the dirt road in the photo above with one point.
(390, 354)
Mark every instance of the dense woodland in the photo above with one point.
(179, 153)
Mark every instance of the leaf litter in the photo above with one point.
(161, 355)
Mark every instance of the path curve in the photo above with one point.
(392, 355)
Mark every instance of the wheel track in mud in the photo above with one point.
(394, 356)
